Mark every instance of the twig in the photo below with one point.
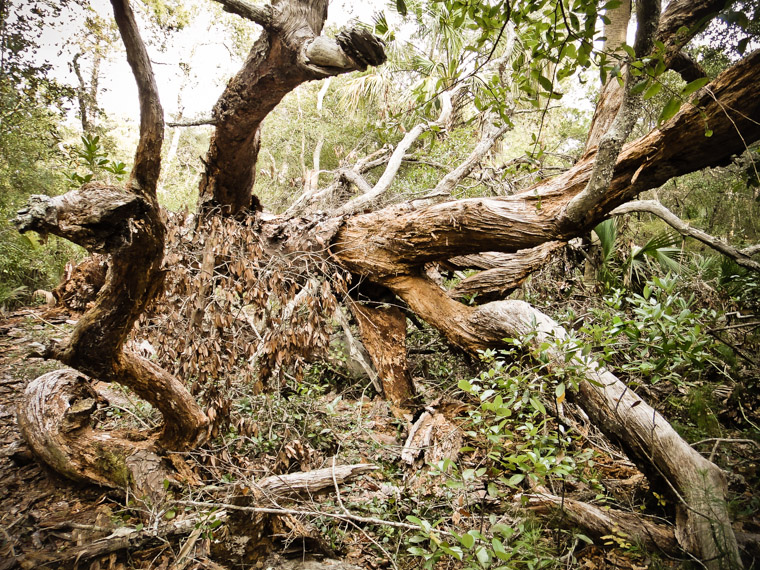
(306, 513)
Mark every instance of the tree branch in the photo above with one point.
(600, 523)
(394, 163)
(657, 209)
(449, 182)
(147, 167)
(261, 15)
(679, 15)
(612, 142)
(497, 282)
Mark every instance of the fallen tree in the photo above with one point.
(386, 251)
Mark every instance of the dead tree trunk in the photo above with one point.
(290, 51)
(125, 223)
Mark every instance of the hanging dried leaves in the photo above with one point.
(235, 309)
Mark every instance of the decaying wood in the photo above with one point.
(434, 435)
(390, 247)
(81, 283)
(500, 280)
(383, 333)
(311, 482)
(601, 524)
(57, 421)
(127, 224)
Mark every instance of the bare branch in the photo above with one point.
(262, 15)
(147, 166)
(193, 122)
(657, 209)
(450, 181)
(394, 163)
(357, 179)
(604, 522)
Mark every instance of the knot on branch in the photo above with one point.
(362, 46)
(95, 216)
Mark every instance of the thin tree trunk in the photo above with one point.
(125, 222)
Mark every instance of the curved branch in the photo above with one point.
(399, 237)
(262, 15)
(449, 182)
(698, 486)
(657, 209)
(679, 23)
(512, 271)
(288, 53)
(147, 167)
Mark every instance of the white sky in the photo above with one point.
(201, 45)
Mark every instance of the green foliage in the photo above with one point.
(741, 283)
(654, 336)
(513, 429)
(631, 268)
(91, 156)
(505, 547)
(512, 415)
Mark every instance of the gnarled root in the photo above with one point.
(55, 418)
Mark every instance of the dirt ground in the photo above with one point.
(47, 522)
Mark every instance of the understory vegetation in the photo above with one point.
(487, 463)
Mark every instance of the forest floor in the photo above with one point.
(47, 522)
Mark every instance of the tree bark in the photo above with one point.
(680, 22)
(383, 333)
(127, 224)
(289, 52)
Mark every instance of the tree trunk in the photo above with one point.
(383, 332)
(680, 14)
(290, 51)
(126, 223)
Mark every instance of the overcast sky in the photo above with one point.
(202, 45)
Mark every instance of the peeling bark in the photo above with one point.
(499, 281)
(602, 523)
(383, 333)
(127, 224)
(289, 52)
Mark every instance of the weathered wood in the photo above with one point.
(127, 223)
(289, 52)
(55, 418)
(600, 524)
(311, 482)
(657, 209)
(400, 238)
(499, 281)
(383, 333)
